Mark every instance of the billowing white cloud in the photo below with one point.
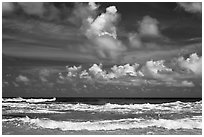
(23, 79)
(149, 26)
(157, 70)
(151, 73)
(93, 6)
(157, 66)
(73, 71)
(102, 32)
(97, 72)
(81, 12)
(193, 63)
(107, 46)
(103, 24)
(193, 7)
(127, 69)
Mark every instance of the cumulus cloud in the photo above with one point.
(151, 73)
(193, 7)
(81, 12)
(23, 79)
(108, 47)
(148, 35)
(102, 32)
(157, 70)
(149, 26)
(103, 24)
(193, 63)
(97, 72)
(127, 69)
(93, 5)
(73, 71)
(157, 66)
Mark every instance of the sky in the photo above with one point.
(138, 48)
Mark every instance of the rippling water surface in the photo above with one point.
(101, 116)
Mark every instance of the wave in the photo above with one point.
(130, 123)
(37, 111)
(174, 107)
(19, 99)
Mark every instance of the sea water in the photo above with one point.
(101, 116)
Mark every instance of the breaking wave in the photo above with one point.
(19, 99)
(129, 123)
(174, 107)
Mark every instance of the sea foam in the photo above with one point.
(129, 123)
(174, 107)
(19, 99)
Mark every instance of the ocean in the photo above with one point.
(100, 116)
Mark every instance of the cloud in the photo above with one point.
(193, 63)
(33, 8)
(135, 40)
(7, 7)
(157, 70)
(193, 7)
(5, 83)
(108, 47)
(81, 12)
(43, 74)
(103, 24)
(73, 71)
(149, 26)
(148, 35)
(102, 32)
(154, 73)
(93, 5)
(47, 11)
(187, 83)
(157, 66)
(127, 69)
(97, 72)
(23, 79)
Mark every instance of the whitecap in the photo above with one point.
(130, 123)
(174, 107)
(19, 99)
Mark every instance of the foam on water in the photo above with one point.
(19, 99)
(174, 107)
(129, 123)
